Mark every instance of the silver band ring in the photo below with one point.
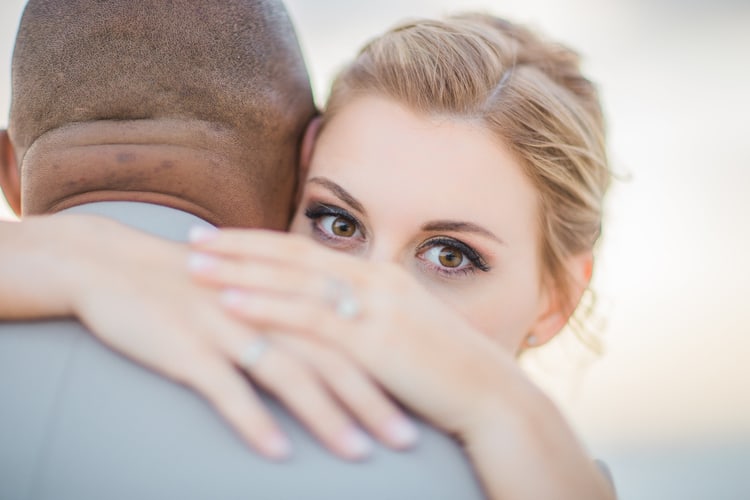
(347, 307)
(339, 295)
(253, 352)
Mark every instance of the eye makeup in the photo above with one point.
(477, 262)
(318, 212)
(324, 216)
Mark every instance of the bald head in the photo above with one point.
(233, 64)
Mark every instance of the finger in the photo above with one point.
(255, 275)
(294, 385)
(274, 246)
(361, 395)
(298, 389)
(294, 314)
(230, 394)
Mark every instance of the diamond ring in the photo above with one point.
(339, 294)
(253, 352)
(347, 307)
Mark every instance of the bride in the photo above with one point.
(458, 173)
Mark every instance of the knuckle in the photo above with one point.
(191, 367)
(352, 383)
(232, 239)
(234, 408)
(245, 271)
(309, 316)
(335, 367)
(282, 371)
(320, 285)
(366, 282)
(212, 380)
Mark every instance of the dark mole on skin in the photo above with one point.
(165, 165)
(74, 182)
(125, 157)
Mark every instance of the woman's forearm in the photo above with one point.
(532, 454)
(38, 265)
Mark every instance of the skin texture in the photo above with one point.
(103, 148)
(199, 106)
(424, 340)
(162, 102)
(443, 344)
(421, 351)
(409, 174)
(167, 162)
(139, 300)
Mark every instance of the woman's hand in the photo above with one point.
(132, 290)
(413, 344)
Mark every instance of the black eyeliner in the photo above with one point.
(470, 253)
(318, 210)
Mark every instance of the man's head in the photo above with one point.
(197, 105)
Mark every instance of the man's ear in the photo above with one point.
(10, 182)
(556, 308)
(306, 153)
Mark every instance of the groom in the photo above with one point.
(161, 114)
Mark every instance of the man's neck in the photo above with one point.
(190, 165)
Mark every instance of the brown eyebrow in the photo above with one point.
(461, 227)
(438, 225)
(340, 193)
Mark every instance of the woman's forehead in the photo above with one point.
(431, 167)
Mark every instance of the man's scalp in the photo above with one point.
(234, 62)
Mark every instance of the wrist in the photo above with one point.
(510, 415)
(75, 258)
(504, 397)
(35, 268)
(524, 448)
(67, 253)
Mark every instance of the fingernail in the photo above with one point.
(356, 443)
(201, 262)
(402, 432)
(200, 234)
(277, 446)
(231, 297)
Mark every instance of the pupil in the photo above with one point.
(449, 257)
(342, 227)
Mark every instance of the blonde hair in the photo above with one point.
(530, 92)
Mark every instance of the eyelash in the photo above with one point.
(320, 210)
(477, 262)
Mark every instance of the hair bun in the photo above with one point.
(556, 61)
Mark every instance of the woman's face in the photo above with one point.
(442, 198)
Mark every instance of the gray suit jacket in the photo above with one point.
(78, 421)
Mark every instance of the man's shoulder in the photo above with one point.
(88, 423)
(158, 220)
(33, 360)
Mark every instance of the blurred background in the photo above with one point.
(667, 403)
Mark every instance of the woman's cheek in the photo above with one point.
(505, 314)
